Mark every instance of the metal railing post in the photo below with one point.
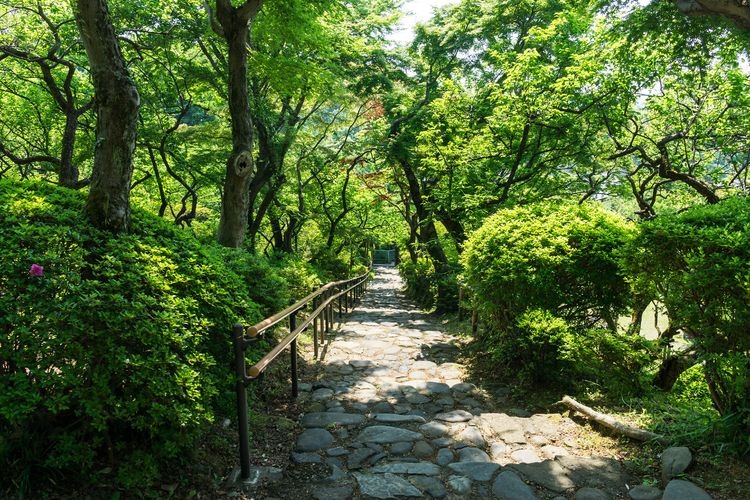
(328, 312)
(316, 303)
(293, 353)
(460, 303)
(238, 334)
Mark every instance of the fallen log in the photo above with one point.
(610, 423)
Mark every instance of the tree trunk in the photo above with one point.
(671, 369)
(68, 175)
(116, 104)
(235, 28)
(737, 11)
(447, 295)
(609, 422)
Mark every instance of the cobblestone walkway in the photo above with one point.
(392, 416)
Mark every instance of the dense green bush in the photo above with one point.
(420, 280)
(546, 280)
(263, 280)
(117, 350)
(330, 266)
(301, 276)
(698, 264)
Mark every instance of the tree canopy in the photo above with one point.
(298, 137)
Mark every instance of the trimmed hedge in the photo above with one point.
(547, 281)
(698, 264)
(118, 350)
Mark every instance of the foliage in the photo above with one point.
(696, 264)
(546, 279)
(120, 347)
(685, 415)
(301, 276)
(264, 279)
(555, 256)
(420, 281)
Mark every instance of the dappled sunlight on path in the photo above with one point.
(392, 416)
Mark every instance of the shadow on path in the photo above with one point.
(391, 416)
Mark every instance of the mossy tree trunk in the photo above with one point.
(234, 26)
(116, 103)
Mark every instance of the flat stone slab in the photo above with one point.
(444, 456)
(395, 418)
(337, 451)
(587, 493)
(477, 471)
(384, 434)
(360, 363)
(385, 486)
(322, 394)
(416, 468)
(596, 472)
(525, 456)
(454, 416)
(463, 387)
(324, 419)
(472, 436)
(357, 457)
(499, 425)
(435, 429)
(508, 486)
(471, 454)
(306, 458)
(314, 440)
(645, 493)
(460, 484)
(549, 474)
(429, 388)
(430, 485)
(424, 365)
(333, 493)
(417, 399)
(678, 489)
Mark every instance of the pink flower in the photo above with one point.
(36, 270)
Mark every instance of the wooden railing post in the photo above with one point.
(238, 337)
(293, 354)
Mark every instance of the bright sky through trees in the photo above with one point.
(415, 11)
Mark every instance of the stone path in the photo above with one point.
(393, 417)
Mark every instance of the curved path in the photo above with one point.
(393, 417)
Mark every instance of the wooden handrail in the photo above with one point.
(253, 331)
(324, 311)
(255, 370)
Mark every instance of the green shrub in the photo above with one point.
(301, 276)
(330, 266)
(120, 347)
(696, 263)
(540, 343)
(263, 281)
(544, 278)
(420, 280)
